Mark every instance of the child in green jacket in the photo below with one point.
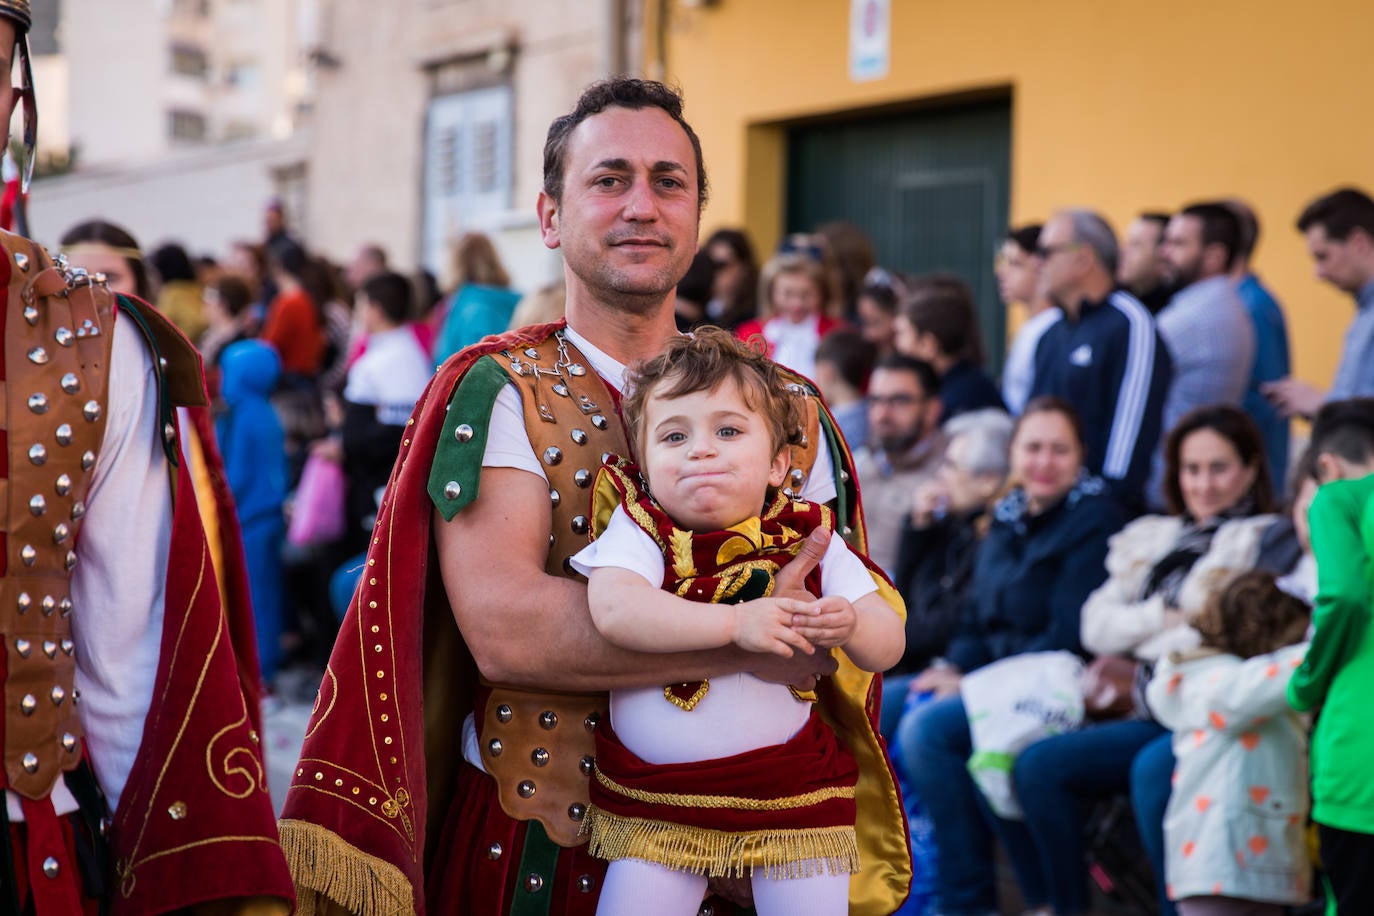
(1337, 674)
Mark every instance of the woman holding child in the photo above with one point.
(1161, 571)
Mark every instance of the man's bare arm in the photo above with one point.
(527, 628)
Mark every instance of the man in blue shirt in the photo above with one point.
(1271, 346)
(1105, 358)
(1339, 230)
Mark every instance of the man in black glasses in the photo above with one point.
(132, 768)
(1105, 358)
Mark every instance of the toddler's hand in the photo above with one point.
(763, 625)
(828, 622)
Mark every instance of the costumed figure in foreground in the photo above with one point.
(445, 769)
(734, 776)
(133, 770)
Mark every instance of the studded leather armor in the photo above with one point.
(58, 335)
(540, 747)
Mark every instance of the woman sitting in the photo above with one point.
(1042, 556)
(1161, 570)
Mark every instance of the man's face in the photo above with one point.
(899, 411)
(1184, 253)
(627, 221)
(1142, 268)
(1340, 263)
(1061, 265)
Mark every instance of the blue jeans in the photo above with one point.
(935, 750)
(1056, 780)
(1151, 784)
(895, 689)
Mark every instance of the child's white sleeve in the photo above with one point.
(623, 545)
(843, 573)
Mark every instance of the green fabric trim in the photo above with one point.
(990, 760)
(540, 857)
(461, 462)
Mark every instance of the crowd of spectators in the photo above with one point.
(1117, 496)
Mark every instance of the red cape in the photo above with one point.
(195, 822)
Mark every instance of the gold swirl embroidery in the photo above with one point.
(250, 769)
(316, 717)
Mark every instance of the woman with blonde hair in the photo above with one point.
(482, 300)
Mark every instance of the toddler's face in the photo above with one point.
(709, 458)
(795, 297)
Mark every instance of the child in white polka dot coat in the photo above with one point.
(1235, 827)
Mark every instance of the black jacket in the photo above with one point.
(1033, 574)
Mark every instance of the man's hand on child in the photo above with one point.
(827, 622)
(764, 625)
(791, 579)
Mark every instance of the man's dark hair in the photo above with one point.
(850, 354)
(392, 293)
(925, 373)
(1339, 213)
(1345, 429)
(1026, 237)
(1249, 226)
(1158, 217)
(620, 92)
(1219, 227)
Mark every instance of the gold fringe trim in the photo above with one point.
(735, 802)
(330, 873)
(716, 853)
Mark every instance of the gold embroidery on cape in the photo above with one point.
(331, 679)
(256, 782)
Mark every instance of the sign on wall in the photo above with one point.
(870, 34)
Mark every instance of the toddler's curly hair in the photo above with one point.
(1250, 615)
(700, 363)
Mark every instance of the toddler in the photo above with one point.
(1234, 828)
(735, 775)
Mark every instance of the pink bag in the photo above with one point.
(318, 514)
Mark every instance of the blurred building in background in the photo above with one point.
(182, 116)
(430, 120)
(932, 125)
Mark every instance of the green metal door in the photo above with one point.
(929, 188)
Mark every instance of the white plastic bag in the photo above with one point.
(1011, 704)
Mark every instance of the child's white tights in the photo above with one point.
(634, 887)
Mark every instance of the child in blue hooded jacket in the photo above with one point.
(254, 448)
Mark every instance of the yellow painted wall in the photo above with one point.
(1119, 105)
